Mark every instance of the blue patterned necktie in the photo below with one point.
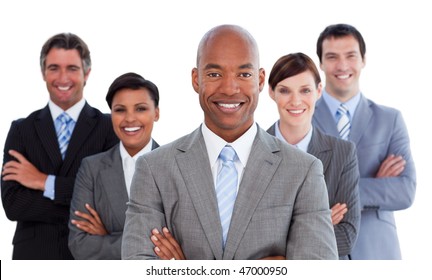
(343, 125)
(226, 188)
(64, 127)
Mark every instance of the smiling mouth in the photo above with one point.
(132, 129)
(343, 77)
(229, 105)
(296, 111)
(64, 88)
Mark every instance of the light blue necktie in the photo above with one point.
(64, 127)
(343, 125)
(226, 188)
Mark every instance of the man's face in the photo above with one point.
(228, 82)
(342, 64)
(64, 77)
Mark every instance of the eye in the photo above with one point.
(118, 110)
(141, 109)
(245, 75)
(213, 75)
(283, 90)
(306, 91)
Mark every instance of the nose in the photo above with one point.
(230, 85)
(63, 76)
(296, 99)
(130, 116)
(342, 64)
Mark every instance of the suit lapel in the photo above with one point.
(86, 122)
(46, 131)
(361, 120)
(261, 166)
(320, 148)
(323, 119)
(113, 182)
(201, 188)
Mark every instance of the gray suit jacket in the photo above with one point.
(342, 176)
(281, 206)
(377, 131)
(100, 182)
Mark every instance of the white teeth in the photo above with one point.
(343, 77)
(63, 88)
(296, 111)
(229, 106)
(132, 129)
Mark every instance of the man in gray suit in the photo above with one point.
(387, 173)
(281, 206)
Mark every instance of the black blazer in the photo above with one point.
(42, 231)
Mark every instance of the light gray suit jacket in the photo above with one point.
(281, 206)
(342, 176)
(100, 182)
(377, 131)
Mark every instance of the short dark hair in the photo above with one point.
(67, 41)
(290, 65)
(338, 31)
(132, 81)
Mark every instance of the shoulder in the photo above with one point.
(100, 158)
(382, 109)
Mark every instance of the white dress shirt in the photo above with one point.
(129, 162)
(242, 146)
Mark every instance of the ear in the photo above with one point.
(156, 118)
(319, 90)
(195, 79)
(261, 79)
(86, 75)
(364, 61)
(271, 93)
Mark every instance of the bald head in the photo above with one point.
(227, 34)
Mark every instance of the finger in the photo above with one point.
(18, 156)
(174, 243)
(93, 213)
(161, 254)
(85, 216)
(83, 225)
(161, 250)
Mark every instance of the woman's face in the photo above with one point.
(295, 98)
(133, 113)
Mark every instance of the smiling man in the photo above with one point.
(387, 173)
(43, 152)
(229, 190)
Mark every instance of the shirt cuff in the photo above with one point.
(49, 187)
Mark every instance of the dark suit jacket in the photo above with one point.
(42, 231)
(342, 177)
(101, 183)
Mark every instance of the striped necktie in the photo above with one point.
(226, 188)
(343, 125)
(64, 127)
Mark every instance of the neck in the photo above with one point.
(293, 134)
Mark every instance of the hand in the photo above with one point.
(91, 224)
(337, 212)
(392, 166)
(24, 172)
(167, 248)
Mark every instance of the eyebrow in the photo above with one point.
(217, 66)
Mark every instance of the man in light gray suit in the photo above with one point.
(387, 173)
(281, 206)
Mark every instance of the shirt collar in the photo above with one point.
(302, 145)
(73, 111)
(334, 104)
(124, 154)
(242, 145)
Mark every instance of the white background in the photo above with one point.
(158, 39)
